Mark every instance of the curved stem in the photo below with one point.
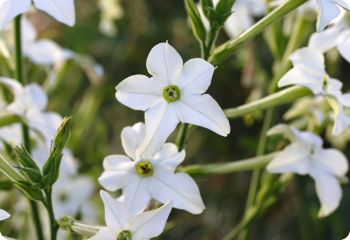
(53, 223)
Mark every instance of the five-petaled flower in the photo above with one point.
(123, 224)
(61, 10)
(306, 156)
(309, 71)
(174, 93)
(154, 177)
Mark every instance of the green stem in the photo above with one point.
(225, 50)
(53, 223)
(182, 136)
(25, 130)
(279, 98)
(215, 169)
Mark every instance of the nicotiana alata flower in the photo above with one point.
(30, 102)
(174, 93)
(123, 224)
(337, 36)
(306, 156)
(61, 10)
(309, 71)
(152, 177)
(329, 10)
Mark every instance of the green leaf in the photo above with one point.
(198, 28)
(31, 191)
(52, 165)
(223, 10)
(208, 8)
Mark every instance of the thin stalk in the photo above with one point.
(225, 50)
(53, 223)
(25, 130)
(215, 169)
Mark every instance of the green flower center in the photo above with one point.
(144, 169)
(171, 93)
(124, 235)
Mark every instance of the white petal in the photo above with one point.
(203, 110)
(151, 224)
(343, 3)
(136, 194)
(119, 171)
(326, 40)
(46, 52)
(180, 188)
(61, 10)
(10, 9)
(117, 214)
(15, 87)
(35, 96)
(170, 162)
(4, 215)
(164, 63)
(300, 76)
(311, 59)
(328, 191)
(328, 12)
(344, 46)
(161, 120)
(139, 92)
(104, 234)
(334, 160)
(239, 21)
(295, 158)
(342, 120)
(195, 77)
(132, 138)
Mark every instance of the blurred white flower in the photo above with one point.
(123, 224)
(174, 93)
(111, 10)
(337, 36)
(153, 177)
(310, 71)
(306, 156)
(30, 102)
(329, 10)
(61, 10)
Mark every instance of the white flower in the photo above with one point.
(335, 36)
(174, 93)
(61, 10)
(153, 177)
(305, 156)
(329, 10)
(30, 102)
(309, 71)
(123, 224)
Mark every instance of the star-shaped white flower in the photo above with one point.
(174, 93)
(310, 71)
(335, 36)
(30, 102)
(61, 10)
(329, 10)
(124, 224)
(305, 156)
(153, 177)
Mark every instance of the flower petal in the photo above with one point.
(117, 214)
(61, 10)
(328, 12)
(139, 92)
(311, 59)
(119, 171)
(136, 194)
(164, 63)
(104, 234)
(334, 160)
(170, 162)
(203, 110)
(161, 120)
(35, 96)
(328, 191)
(195, 77)
(132, 138)
(151, 224)
(4, 215)
(10, 9)
(294, 158)
(326, 40)
(344, 46)
(180, 188)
